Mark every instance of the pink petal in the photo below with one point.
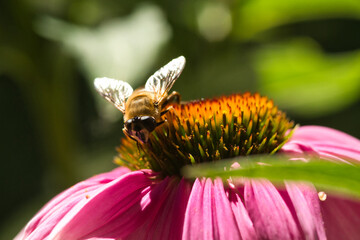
(170, 221)
(198, 223)
(209, 214)
(95, 206)
(325, 135)
(268, 211)
(44, 221)
(243, 220)
(323, 142)
(166, 219)
(113, 211)
(306, 203)
(341, 218)
(223, 216)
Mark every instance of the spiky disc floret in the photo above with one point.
(209, 130)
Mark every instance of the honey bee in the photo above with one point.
(143, 108)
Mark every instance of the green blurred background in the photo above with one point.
(56, 131)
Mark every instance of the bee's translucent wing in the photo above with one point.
(115, 91)
(161, 81)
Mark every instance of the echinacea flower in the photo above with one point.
(148, 198)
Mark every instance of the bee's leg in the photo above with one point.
(174, 97)
(166, 110)
(164, 121)
(159, 123)
(138, 147)
(128, 135)
(131, 137)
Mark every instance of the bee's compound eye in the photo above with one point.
(148, 122)
(128, 124)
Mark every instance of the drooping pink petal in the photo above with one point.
(100, 207)
(306, 203)
(323, 142)
(241, 215)
(116, 210)
(223, 216)
(271, 216)
(209, 214)
(165, 220)
(44, 221)
(198, 222)
(169, 222)
(341, 218)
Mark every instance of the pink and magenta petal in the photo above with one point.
(341, 218)
(169, 221)
(113, 211)
(45, 220)
(223, 215)
(323, 142)
(271, 216)
(166, 213)
(88, 207)
(198, 222)
(209, 214)
(244, 223)
(307, 207)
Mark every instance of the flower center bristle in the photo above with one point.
(209, 130)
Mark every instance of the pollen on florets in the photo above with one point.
(209, 130)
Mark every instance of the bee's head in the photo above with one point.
(141, 127)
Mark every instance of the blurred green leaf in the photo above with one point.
(255, 16)
(302, 79)
(337, 177)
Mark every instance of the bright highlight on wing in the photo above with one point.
(115, 91)
(161, 81)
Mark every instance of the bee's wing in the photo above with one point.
(115, 91)
(162, 80)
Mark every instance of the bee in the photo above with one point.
(143, 108)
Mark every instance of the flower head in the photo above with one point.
(209, 130)
(155, 202)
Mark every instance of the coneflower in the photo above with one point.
(148, 198)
